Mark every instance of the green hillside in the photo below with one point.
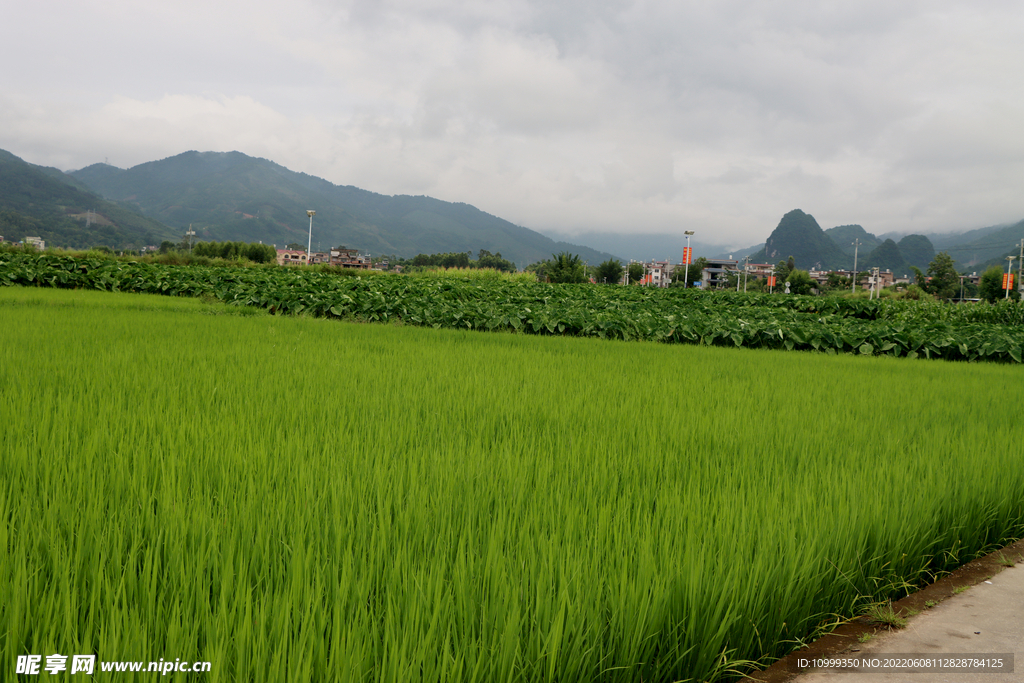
(45, 202)
(886, 256)
(799, 235)
(844, 236)
(232, 196)
(917, 250)
(944, 241)
(989, 249)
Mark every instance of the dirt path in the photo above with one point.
(978, 609)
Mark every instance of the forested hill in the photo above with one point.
(799, 235)
(232, 196)
(990, 248)
(45, 202)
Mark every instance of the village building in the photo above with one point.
(716, 272)
(350, 258)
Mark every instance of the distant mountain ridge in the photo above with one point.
(845, 235)
(799, 235)
(45, 202)
(232, 196)
(887, 256)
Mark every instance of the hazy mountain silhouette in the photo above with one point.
(799, 235)
(844, 236)
(232, 196)
(47, 203)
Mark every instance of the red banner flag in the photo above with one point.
(687, 256)
(1007, 281)
(771, 280)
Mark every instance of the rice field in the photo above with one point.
(300, 499)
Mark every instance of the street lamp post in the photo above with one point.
(1009, 277)
(687, 259)
(856, 246)
(309, 245)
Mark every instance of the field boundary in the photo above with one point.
(846, 637)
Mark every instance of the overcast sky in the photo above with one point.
(572, 115)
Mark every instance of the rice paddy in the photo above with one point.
(298, 499)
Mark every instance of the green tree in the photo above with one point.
(566, 268)
(295, 246)
(836, 281)
(636, 273)
(800, 282)
(782, 270)
(609, 272)
(752, 284)
(540, 269)
(486, 259)
(944, 282)
(692, 272)
(990, 287)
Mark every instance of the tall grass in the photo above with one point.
(298, 499)
(485, 274)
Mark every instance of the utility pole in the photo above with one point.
(1020, 264)
(856, 246)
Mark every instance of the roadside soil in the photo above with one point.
(847, 637)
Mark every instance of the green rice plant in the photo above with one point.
(300, 499)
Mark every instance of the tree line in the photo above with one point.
(941, 281)
(459, 259)
(229, 251)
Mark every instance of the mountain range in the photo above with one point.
(232, 196)
(842, 247)
(799, 235)
(47, 203)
